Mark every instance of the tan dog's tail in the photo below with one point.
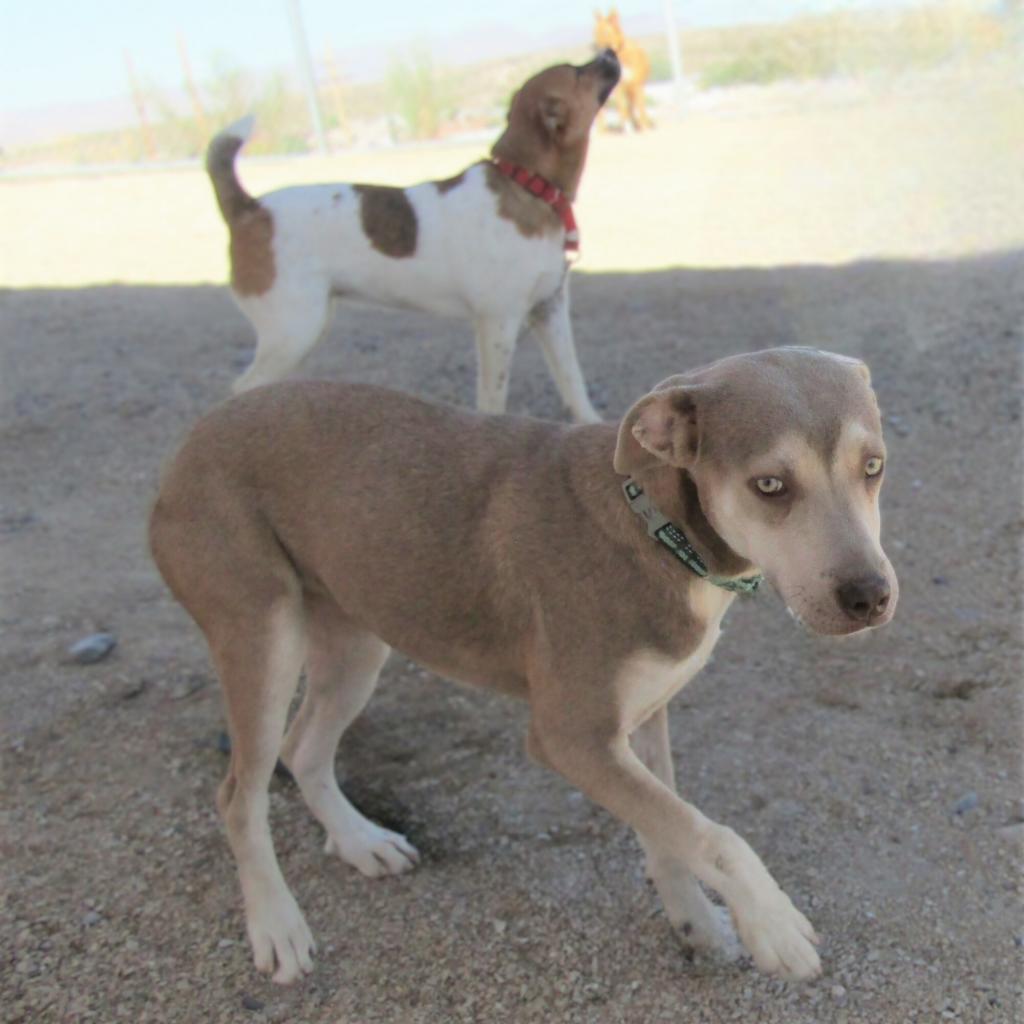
(232, 199)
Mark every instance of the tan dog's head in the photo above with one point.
(608, 32)
(785, 450)
(550, 117)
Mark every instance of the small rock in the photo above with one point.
(968, 802)
(252, 1003)
(1012, 833)
(91, 649)
(190, 684)
(1018, 941)
(499, 926)
(132, 689)
(940, 581)
(90, 919)
(838, 993)
(225, 943)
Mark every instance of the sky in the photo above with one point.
(72, 51)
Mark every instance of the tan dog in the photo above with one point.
(318, 524)
(488, 245)
(630, 98)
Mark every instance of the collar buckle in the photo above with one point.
(670, 536)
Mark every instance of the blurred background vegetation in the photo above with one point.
(419, 99)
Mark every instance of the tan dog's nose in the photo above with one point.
(864, 599)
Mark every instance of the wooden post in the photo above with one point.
(140, 109)
(198, 112)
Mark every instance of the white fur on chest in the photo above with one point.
(649, 680)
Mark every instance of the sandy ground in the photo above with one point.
(879, 778)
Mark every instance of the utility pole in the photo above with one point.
(675, 55)
(306, 70)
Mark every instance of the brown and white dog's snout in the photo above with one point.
(606, 66)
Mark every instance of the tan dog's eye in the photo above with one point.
(772, 486)
(873, 466)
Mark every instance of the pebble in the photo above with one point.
(968, 802)
(838, 993)
(187, 686)
(90, 919)
(252, 1003)
(91, 649)
(1012, 833)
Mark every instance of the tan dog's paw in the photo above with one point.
(375, 851)
(712, 934)
(281, 939)
(780, 939)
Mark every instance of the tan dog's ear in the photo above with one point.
(554, 115)
(661, 427)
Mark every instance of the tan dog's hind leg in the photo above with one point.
(342, 668)
(701, 925)
(553, 327)
(602, 765)
(259, 666)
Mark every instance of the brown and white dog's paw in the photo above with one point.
(374, 851)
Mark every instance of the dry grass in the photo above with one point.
(775, 176)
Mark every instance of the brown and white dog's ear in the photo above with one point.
(554, 116)
(660, 428)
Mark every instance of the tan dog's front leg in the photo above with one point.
(701, 925)
(778, 937)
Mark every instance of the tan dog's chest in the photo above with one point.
(649, 679)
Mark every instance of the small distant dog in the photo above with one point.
(583, 569)
(489, 244)
(630, 99)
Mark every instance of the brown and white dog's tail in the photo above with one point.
(232, 199)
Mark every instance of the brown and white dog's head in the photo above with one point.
(549, 119)
(785, 450)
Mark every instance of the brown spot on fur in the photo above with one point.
(532, 216)
(447, 184)
(252, 252)
(388, 219)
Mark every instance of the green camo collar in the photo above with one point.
(674, 539)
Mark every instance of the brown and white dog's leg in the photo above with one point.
(289, 321)
(259, 669)
(553, 327)
(701, 925)
(495, 345)
(602, 765)
(342, 667)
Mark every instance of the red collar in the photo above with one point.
(550, 194)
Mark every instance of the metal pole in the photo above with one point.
(675, 55)
(306, 70)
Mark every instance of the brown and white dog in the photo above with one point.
(489, 244)
(320, 525)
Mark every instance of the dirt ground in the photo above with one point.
(879, 778)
